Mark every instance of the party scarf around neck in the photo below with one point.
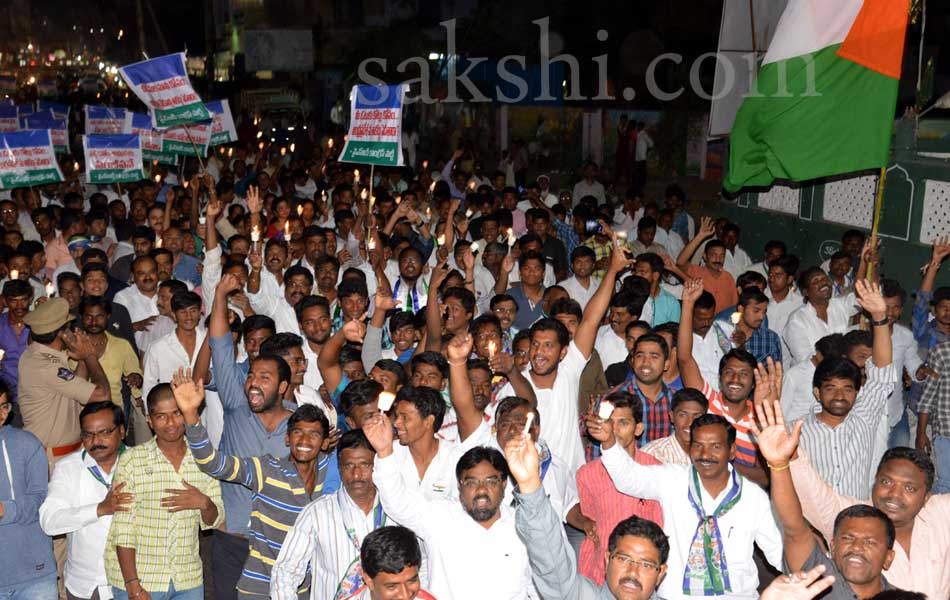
(707, 573)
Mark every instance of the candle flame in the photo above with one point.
(292, 147)
(386, 400)
(14, 274)
(511, 237)
(471, 184)
(256, 234)
(371, 244)
(491, 348)
(50, 289)
(300, 210)
(330, 143)
(364, 194)
(474, 247)
(441, 239)
(287, 230)
(158, 243)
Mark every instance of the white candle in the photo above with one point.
(491, 348)
(330, 143)
(528, 422)
(371, 244)
(511, 237)
(606, 409)
(287, 230)
(50, 290)
(256, 234)
(300, 210)
(14, 274)
(474, 247)
(441, 240)
(735, 318)
(385, 401)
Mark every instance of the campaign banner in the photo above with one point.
(8, 84)
(59, 110)
(104, 120)
(23, 110)
(183, 140)
(375, 135)
(27, 158)
(7, 102)
(162, 84)
(140, 124)
(8, 119)
(113, 158)
(57, 128)
(223, 130)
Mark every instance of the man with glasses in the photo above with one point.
(505, 308)
(81, 500)
(478, 529)
(27, 567)
(636, 551)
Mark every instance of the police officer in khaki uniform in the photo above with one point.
(51, 394)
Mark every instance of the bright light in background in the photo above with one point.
(31, 80)
(102, 66)
(29, 47)
(121, 33)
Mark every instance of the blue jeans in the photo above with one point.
(41, 589)
(197, 593)
(941, 456)
(900, 435)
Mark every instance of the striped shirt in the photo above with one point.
(668, 451)
(279, 496)
(842, 455)
(601, 502)
(936, 398)
(165, 543)
(320, 541)
(747, 450)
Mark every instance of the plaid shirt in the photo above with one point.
(936, 396)
(566, 234)
(761, 344)
(601, 251)
(656, 415)
(165, 543)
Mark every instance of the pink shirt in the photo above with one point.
(926, 570)
(601, 502)
(57, 254)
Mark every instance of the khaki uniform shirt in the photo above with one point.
(51, 395)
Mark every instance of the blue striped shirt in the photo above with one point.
(278, 497)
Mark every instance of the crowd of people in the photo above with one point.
(349, 383)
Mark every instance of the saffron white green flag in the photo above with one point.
(823, 103)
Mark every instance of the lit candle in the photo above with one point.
(158, 178)
(2, 352)
(605, 410)
(735, 318)
(471, 185)
(386, 400)
(511, 237)
(158, 243)
(364, 194)
(398, 200)
(14, 274)
(622, 235)
(76, 167)
(256, 234)
(261, 146)
(474, 247)
(491, 348)
(356, 175)
(287, 230)
(230, 152)
(371, 244)
(528, 422)
(292, 146)
(468, 213)
(50, 290)
(425, 164)
(259, 134)
(428, 212)
(441, 240)
(185, 185)
(283, 151)
(330, 143)
(300, 210)
(432, 187)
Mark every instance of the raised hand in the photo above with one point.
(508, 263)
(213, 210)
(385, 301)
(502, 362)
(601, 430)
(692, 290)
(115, 501)
(768, 382)
(468, 260)
(355, 330)
(869, 298)
(803, 585)
(254, 199)
(941, 250)
(379, 431)
(78, 345)
(254, 257)
(707, 228)
(776, 444)
(523, 462)
(189, 394)
(459, 348)
(228, 284)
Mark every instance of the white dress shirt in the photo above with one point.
(439, 478)
(311, 376)
(779, 312)
(166, 356)
(611, 347)
(670, 240)
(737, 262)
(804, 328)
(70, 508)
(577, 291)
(708, 351)
(140, 307)
(595, 189)
(319, 540)
(454, 540)
(558, 408)
(750, 520)
(798, 397)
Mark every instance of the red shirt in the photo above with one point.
(721, 286)
(601, 502)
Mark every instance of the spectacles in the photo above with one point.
(6, 405)
(643, 565)
(470, 483)
(88, 435)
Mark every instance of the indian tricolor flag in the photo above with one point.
(823, 102)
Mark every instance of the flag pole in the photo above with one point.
(879, 202)
(195, 147)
